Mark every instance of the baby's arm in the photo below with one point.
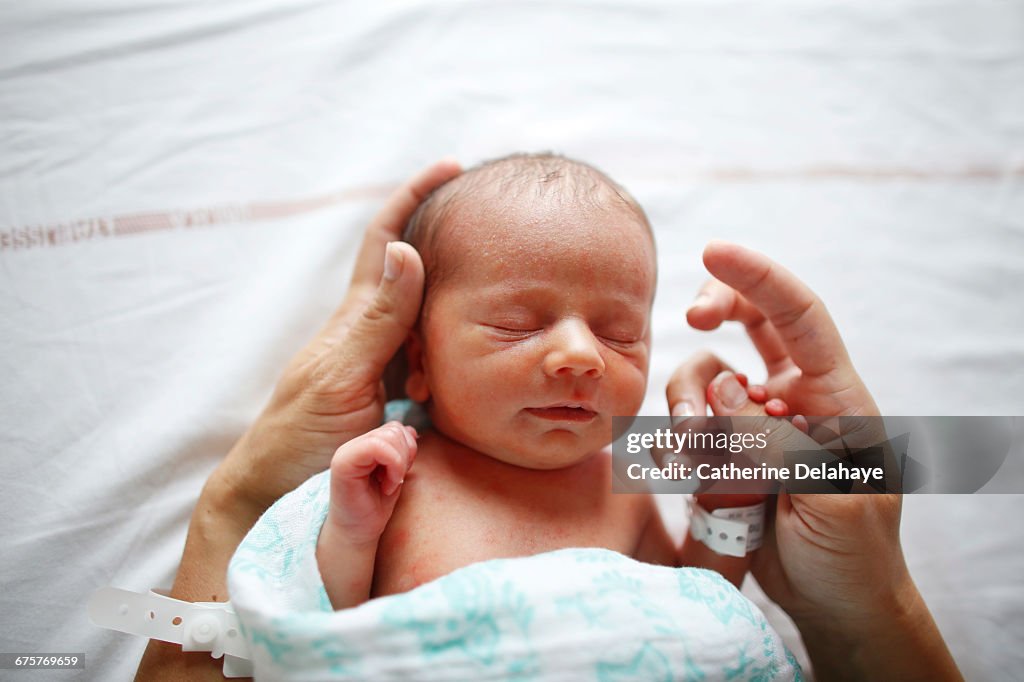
(655, 545)
(775, 407)
(696, 553)
(366, 479)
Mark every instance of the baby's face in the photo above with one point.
(539, 333)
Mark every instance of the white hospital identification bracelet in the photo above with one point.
(734, 531)
(199, 626)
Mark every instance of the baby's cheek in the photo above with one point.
(455, 379)
(629, 388)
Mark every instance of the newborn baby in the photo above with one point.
(534, 333)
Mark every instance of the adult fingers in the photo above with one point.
(688, 384)
(384, 323)
(718, 302)
(797, 314)
(389, 222)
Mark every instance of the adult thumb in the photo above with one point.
(383, 325)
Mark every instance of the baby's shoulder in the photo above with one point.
(637, 506)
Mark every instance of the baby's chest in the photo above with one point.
(437, 529)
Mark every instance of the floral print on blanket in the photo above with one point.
(573, 614)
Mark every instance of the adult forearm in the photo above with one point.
(902, 644)
(218, 524)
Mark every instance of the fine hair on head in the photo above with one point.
(521, 177)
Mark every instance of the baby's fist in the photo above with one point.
(366, 478)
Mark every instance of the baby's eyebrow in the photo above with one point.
(638, 317)
(541, 296)
(509, 289)
(609, 307)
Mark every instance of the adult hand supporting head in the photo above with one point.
(832, 562)
(331, 391)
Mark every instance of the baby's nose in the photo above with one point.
(573, 351)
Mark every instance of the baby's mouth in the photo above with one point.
(564, 412)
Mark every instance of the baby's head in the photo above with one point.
(535, 327)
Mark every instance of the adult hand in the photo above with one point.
(808, 366)
(832, 562)
(331, 391)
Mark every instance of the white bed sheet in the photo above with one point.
(182, 186)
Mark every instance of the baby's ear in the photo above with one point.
(416, 386)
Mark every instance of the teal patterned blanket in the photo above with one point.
(573, 614)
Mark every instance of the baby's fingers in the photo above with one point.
(383, 455)
(396, 460)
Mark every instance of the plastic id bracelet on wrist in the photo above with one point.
(199, 626)
(734, 531)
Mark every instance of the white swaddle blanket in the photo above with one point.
(572, 614)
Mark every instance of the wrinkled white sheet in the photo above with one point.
(182, 186)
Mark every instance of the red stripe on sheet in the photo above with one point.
(94, 229)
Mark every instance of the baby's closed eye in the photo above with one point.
(621, 330)
(512, 326)
(625, 336)
(513, 331)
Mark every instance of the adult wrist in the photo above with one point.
(226, 503)
(217, 526)
(239, 483)
(849, 643)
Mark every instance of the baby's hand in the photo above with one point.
(776, 407)
(695, 554)
(366, 479)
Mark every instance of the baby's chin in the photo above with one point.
(549, 452)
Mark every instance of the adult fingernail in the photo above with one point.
(730, 392)
(684, 408)
(392, 262)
